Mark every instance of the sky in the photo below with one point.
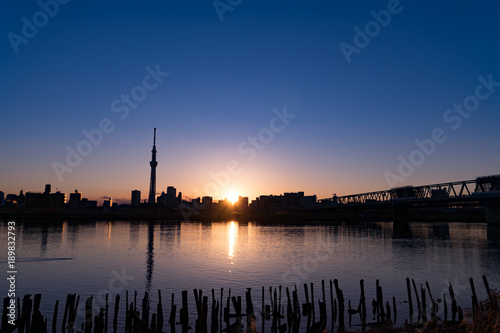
(248, 97)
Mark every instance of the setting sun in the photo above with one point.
(232, 197)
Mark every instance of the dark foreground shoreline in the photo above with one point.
(283, 309)
(333, 215)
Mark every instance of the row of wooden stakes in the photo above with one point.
(229, 318)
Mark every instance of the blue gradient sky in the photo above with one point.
(352, 120)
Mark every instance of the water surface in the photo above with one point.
(95, 258)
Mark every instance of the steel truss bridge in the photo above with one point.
(483, 191)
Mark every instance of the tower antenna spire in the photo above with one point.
(153, 164)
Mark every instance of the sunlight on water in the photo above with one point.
(233, 234)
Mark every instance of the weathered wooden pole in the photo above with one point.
(88, 315)
(340, 297)
(106, 315)
(115, 315)
(54, 318)
(474, 296)
(424, 305)
(453, 303)
(362, 301)
(418, 300)
(410, 304)
(173, 312)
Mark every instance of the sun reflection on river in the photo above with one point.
(233, 235)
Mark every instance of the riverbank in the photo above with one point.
(331, 214)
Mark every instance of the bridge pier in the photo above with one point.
(400, 215)
(493, 214)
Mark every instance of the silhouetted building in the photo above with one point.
(241, 204)
(287, 201)
(268, 202)
(169, 199)
(108, 203)
(75, 197)
(206, 201)
(11, 200)
(36, 200)
(57, 200)
(171, 191)
(224, 203)
(1, 198)
(45, 199)
(153, 164)
(21, 198)
(89, 203)
(136, 198)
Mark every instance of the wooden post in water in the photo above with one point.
(106, 315)
(126, 307)
(159, 313)
(25, 314)
(332, 305)
(418, 300)
(279, 304)
(296, 308)
(410, 304)
(88, 315)
(204, 314)
(395, 311)
(184, 311)
(115, 315)
(445, 308)
(215, 314)
(340, 297)
(486, 285)
(474, 296)
(362, 301)
(173, 312)
(145, 312)
(263, 310)
(289, 308)
(135, 300)
(424, 305)
(312, 302)
(275, 310)
(306, 308)
(434, 306)
(380, 303)
(65, 316)
(221, 305)
(54, 318)
(388, 320)
(6, 302)
(38, 322)
(453, 303)
(460, 314)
